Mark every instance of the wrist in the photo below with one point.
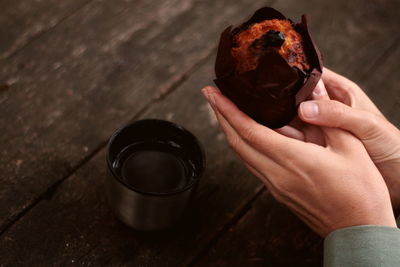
(380, 217)
(376, 217)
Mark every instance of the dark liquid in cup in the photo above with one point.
(154, 167)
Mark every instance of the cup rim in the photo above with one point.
(191, 184)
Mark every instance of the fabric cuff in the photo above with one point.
(365, 245)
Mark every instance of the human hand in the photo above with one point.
(353, 111)
(328, 187)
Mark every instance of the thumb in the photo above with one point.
(331, 113)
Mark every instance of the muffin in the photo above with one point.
(267, 66)
(250, 44)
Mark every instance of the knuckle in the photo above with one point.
(337, 108)
(352, 90)
(337, 111)
(374, 120)
(373, 125)
(248, 134)
(349, 96)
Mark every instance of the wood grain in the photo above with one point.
(382, 85)
(86, 77)
(65, 93)
(22, 21)
(74, 225)
(268, 235)
(352, 35)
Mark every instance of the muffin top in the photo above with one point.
(251, 44)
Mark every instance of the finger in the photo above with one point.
(344, 90)
(314, 134)
(332, 78)
(339, 87)
(265, 169)
(246, 153)
(303, 131)
(298, 124)
(291, 132)
(320, 92)
(258, 164)
(267, 141)
(334, 137)
(331, 113)
(366, 126)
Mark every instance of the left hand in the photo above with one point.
(329, 182)
(353, 111)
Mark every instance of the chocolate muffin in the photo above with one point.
(267, 66)
(249, 45)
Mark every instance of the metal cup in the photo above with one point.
(145, 210)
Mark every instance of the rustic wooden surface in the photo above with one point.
(73, 72)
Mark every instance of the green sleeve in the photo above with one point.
(363, 246)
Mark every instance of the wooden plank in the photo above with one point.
(22, 21)
(268, 235)
(92, 73)
(75, 225)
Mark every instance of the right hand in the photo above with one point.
(352, 110)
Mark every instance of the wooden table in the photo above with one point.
(73, 71)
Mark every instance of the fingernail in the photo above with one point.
(309, 109)
(209, 96)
